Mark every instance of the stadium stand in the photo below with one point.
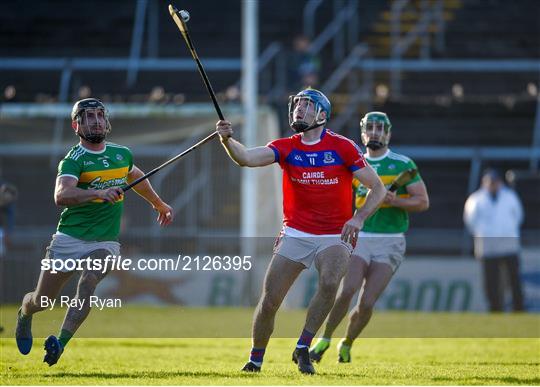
(492, 109)
(489, 108)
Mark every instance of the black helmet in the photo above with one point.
(80, 108)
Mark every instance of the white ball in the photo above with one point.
(185, 15)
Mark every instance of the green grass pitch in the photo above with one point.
(216, 361)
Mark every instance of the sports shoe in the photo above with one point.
(23, 333)
(53, 350)
(317, 351)
(251, 367)
(301, 357)
(344, 353)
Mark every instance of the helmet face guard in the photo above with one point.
(92, 120)
(375, 130)
(305, 110)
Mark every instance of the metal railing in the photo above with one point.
(362, 92)
(310, 10)
(272, 71)
(136, 41)
(477, 156)
(132, 64)
(534, 161)
(358, 92)
(430, 12)
(346, 19)
(273, 62)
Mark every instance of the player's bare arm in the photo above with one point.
(244, 157)
(66, 193)
(417, 201)
(369, 178)
(145, 190)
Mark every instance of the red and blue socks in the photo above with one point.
(305, 339)
(256, 356)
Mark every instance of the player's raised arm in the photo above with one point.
(244, 157)
(368, 177)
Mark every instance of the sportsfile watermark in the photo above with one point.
(181, 263)
(208, 287)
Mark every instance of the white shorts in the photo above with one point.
(385, 248)
(302, 247)
(66, 247)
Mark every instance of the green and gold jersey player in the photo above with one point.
(88, 185)
(380, 247)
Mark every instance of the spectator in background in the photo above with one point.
(493, 215)
(8, 196)
(303, 66)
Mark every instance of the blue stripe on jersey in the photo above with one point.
(300, 158)
(276, 153)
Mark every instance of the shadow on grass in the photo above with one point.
(150, 375)
(149, 344)
(489, 380)
(490, 363)
(179, 374)
(139, 343)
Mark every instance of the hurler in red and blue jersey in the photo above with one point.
(317, 175)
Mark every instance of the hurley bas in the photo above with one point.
(95, 302)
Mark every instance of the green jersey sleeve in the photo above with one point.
(69, 167)
(417, 178)
(130, 160)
